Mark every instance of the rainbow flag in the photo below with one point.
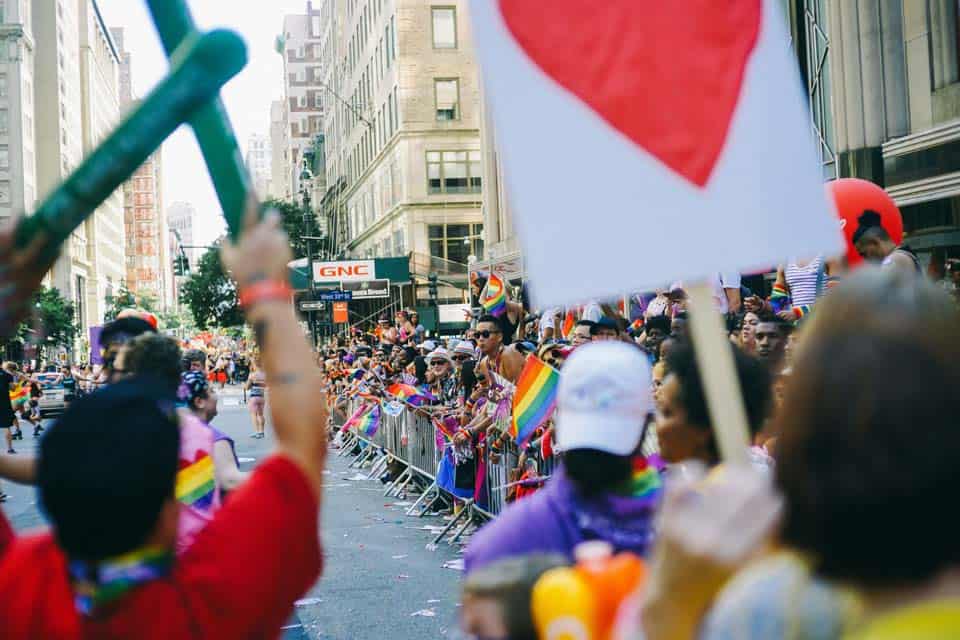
(369, 422)
(535, 398)
(568, 324)
(196, 482)
(19, 395)
(636, 327)
(410, 394)
(494, 296)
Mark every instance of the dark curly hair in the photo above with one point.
(755, 385)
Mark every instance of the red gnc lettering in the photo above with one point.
(349, 271)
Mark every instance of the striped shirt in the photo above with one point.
(802, 281)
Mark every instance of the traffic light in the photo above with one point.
(181, 265)
(432, 286)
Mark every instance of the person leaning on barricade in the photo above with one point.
(106, 474)
(868, 457)
(603, 490)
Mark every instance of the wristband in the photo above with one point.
(265, 291)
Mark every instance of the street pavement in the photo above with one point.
(379, 578)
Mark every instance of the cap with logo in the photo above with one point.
(603, 398)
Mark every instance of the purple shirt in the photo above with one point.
(557, 518)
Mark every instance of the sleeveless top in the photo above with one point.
(257, 388)
(905, 251)
(805, 283)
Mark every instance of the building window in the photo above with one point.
(4, 121)
(446, 94)
(3, 85)
(454, 242)
(453, 172)
(444, 27)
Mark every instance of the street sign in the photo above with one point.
(336, 296)
(312, 305)
(368, 289)
(340, 313)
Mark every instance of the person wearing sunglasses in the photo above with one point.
(502, 361)
(442, 373)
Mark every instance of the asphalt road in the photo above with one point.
(379, 578)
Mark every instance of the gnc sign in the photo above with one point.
(344, 271)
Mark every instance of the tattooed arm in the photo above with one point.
(298, 405)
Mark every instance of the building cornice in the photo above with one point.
(935, 188)
(922, 140)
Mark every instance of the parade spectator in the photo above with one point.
(678, 325)
(874, 244)
(109, 491)
(603, 402)
(748, 332)
(656, 331)
(684, 428)
(500, 360)
(605, 329)
(771, 342)
(113, 337)
(582, 332)
(837, 507)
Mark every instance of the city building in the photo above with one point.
(181, 218)
(299, 45)
(893, 72)
(402, 135)
(18, 170)
(58, 104)
(99, 78)
(259, 159)
(280, 175)
(149, 269)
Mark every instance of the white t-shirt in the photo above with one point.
(724, 281)
(548, 320)
(592, 311)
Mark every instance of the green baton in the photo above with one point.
(211, 124)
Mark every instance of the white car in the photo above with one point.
(54, 398)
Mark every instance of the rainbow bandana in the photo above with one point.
(98, 584)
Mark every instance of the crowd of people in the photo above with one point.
(835, 528)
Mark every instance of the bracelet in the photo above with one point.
(265, 291)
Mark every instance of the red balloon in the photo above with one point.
(853, 196)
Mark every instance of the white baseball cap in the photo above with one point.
(603, 398)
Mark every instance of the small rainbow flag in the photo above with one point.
(494, 296)
(535, 398)
(568, 324)
(196, 482)
(410, 394)
(19, 394)
(369, 421)
(636, 327)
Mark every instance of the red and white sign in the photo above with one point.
(344, 271)
(658, 140)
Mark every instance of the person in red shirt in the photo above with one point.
(106, 475)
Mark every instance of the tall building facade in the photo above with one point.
(18, 170)
(148, 261)
(894, 74)
(181, 216)
(300, 47)
(259, 159)
(99, 77)
(280, 174)
(402, 132)
(58, 104)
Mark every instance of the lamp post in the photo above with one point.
(305, 177)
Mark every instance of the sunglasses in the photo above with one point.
(487, 334)
(438, 363)
(461, 358)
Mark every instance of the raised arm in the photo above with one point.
(299, 408)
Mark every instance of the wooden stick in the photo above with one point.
(718, 372)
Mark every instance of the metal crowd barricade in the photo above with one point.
(412, 440)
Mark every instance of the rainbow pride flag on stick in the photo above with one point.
(365, 420)
(535, 398)
(493, 299)
(410, 394)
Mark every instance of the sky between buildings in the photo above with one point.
(247, 97)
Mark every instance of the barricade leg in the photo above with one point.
(453, 522)
(397, 480)
(427, 509)
(466, 524)
(423, 496)
(364, 457)
(379, 465)
(406, 482)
